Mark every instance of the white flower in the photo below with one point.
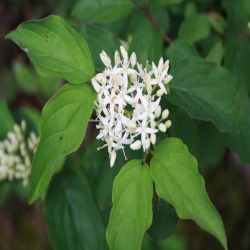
(128, 102)
(16, 153)
(136, 145)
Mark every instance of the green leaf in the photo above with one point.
(247, 5)
(216, 53)
(96, 163)
(100, 174)
(24, 77)
(62, 126)
(31, 114)
(212, 151)
(237, 14)
(195, 28)
(173, 243)
(101, 10)
(131, 214)
(72, 216)
(209, 153)
(237, 59)
(46, 85)
(31, 82)
(164, 221)
(99, 39)
(175, 173)
(55, 48)
(206, 91)
(180, 49)
(218, 22)
(7, 121)
(147, 43)
(7, 80)
(241, 142)
(180, 119)
(190, 10)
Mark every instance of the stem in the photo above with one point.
(144, 158)
(152, 18)
(147, 157)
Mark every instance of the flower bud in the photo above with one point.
(159, 92)
(168, 124)
(136, 145)
(23, 125)
(133, 59)
(153, 139)
(158, 111)
(166, 64)
(168, 79)
(131, 125)
(117, 58)
(160, 65)
(165, 114)
(152, 124)
(162, 127)
(124, 53)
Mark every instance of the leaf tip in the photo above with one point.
(9, 35)
(32, 198)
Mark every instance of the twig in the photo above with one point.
(152, 18)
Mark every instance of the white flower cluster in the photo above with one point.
(16, 153)
(128, 102)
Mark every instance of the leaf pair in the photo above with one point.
(58, 50)
(174, 172)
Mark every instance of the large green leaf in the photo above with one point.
(206, 91)
(131, 214)
(6, 119)
(195, 28)
(101, 10)
(62, 126)
(72, 216)
(177, 180)
(55, 48)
